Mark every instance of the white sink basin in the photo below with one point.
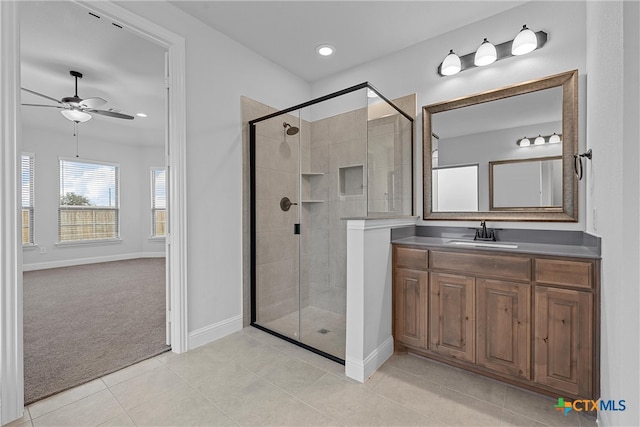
(483, 244)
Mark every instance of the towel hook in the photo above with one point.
(577, 162)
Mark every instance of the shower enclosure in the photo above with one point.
(313, 166)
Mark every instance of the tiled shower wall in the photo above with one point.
(326, 146)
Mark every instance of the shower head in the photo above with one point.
(292, 130)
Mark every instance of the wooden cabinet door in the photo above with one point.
(564, 340)
(410, 299)
(503, 339)
(451, 315)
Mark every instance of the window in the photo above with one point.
(89, 195)
(158, 202)
(27, 199)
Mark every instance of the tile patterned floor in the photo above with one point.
(314, 320)
(253, 378)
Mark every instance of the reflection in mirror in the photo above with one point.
(529, 183)
(455, 188)
(505, 126)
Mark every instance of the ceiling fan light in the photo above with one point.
(76, 115)
(554, 139)
(539, 140)
(525, 42)
(486, 54)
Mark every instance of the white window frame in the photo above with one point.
(31, 207)
(117, 202)
(153, 235)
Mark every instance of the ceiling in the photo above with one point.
(127, 70)
(118, 66)
(287, 32)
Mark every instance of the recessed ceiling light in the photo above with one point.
(141, 115)
(325, 50)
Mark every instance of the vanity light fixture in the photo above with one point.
(525, 41)
(486, 54)
(540, 140)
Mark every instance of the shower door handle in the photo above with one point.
(296, 228)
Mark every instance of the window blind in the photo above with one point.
(89, 201)
(158, 202)
(27, 180)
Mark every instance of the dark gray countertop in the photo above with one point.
(580, 248)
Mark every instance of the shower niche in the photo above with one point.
(342, 156)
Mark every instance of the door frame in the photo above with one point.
(11, 326)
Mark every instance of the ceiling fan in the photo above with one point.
(77, 109)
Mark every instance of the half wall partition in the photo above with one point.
(313, 166)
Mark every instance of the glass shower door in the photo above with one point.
(277, 220)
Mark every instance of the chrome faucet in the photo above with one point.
(484, 233)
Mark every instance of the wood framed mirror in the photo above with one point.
(492, 128)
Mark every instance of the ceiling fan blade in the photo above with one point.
(39, 94)
(92, 102)
(111, 114)
(41, 105)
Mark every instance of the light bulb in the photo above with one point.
(525, 42)
(451, 64)
(76, 115)
(539, 140)
(554, 139)
(524, 142)
(486, 54)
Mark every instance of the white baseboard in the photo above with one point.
(362, 370)
(214, 332)
(93, 260)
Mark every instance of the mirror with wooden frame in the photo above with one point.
(499, 138)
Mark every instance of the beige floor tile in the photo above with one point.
(260, 335)
(194, 364)
(89, 411)
(131, 372)
(476, 386)
(512, 419)
(230, 347)
(179, 407)
(538, 407)
(456, 409)
(66, 397)
(166, 356)
(137, 390)
(422, 367)
(292, 375)
(297, 413)
(249, 401)
(310, 357)
(222, 379)
(261, 359)
(122, 420)
(22, 424)
(415, 393)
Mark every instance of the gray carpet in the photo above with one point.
(83, 322)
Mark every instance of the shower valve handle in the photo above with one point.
(285, 204)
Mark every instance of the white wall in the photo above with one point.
(218, 71)
(135, 216)
(613, 193)
(415, 70)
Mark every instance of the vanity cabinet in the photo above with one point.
(452, 315)
(525, 319)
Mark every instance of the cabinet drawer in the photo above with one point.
(411, 257)
(564, 272)
(498, 266)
